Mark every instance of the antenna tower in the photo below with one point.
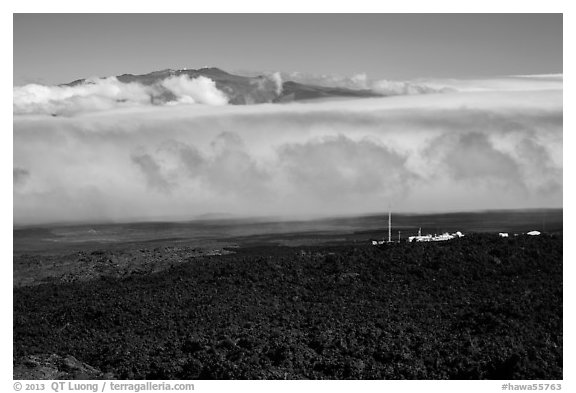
(389, 224)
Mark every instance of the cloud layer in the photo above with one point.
(100, 94)
(478, 149)
(427, 85)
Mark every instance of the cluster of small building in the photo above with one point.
(436, 238)
(426, 238)
(429, 238)
(531, 233)
(443, 237)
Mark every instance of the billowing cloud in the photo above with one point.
(470, 157)
(225, 167)
(98, 94)
(101, 94)
(338, 167)
(453, 151)
(276, 77)
(151, 171)
(200, 90)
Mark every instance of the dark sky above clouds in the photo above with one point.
(58, 48)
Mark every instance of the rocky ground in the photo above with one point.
(86, 265)
(55, 367)
(480, 307)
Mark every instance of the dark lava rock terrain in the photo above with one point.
(55, 367)
(480, 307)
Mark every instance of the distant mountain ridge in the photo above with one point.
(241, 90)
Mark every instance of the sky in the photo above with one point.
(472, 118)
(59, 48)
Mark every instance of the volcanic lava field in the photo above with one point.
(480, 307)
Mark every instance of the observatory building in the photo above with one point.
(426, 238)
(436, 238)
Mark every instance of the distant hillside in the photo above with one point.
(292, 91)
(241, 90)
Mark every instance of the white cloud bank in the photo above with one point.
(428, 85)
(443, 152)
(100, 94)
(199, 90)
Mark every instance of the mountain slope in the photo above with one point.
(240, 90)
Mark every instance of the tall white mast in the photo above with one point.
(389, 224)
